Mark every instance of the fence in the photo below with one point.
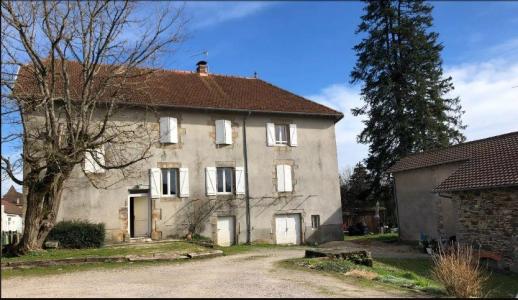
(10, 237)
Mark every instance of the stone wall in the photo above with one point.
(489, 219)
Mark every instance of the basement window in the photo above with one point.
(315, 221)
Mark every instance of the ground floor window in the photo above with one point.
(315, 221)
(170, 182)
(225, 180)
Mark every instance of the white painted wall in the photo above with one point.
(11, 222)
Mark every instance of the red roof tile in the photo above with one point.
(490, 162)
(190, 90)
(11, 208)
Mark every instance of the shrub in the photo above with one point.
(78, 234)
(459, 271)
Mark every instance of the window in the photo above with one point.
(315, 221)
(281, 134)
(168, 130)
(170, 182)
(224, 180)
(223, 132)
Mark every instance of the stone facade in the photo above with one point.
(488, 219)
(313, 162)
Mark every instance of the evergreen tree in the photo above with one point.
(358, 189)
(403, 87)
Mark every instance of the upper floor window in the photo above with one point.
(225, 180)
(168, 130)
(170, 182)
(223, 132)
(281, 134)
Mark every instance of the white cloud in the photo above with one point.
(206, 14)
(485, 89)
(343, 99)
(487, 95)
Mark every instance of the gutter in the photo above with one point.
(397, 206)
(247, 194)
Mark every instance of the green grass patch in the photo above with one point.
(135, 249)
(57, 270)
(386, 237)
(407, 274)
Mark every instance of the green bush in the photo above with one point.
(78, 234)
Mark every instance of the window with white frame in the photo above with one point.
(170, 182)
(281, 134)
(315, 221)
(225, 180)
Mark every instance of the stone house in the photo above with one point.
(467, 191)
(236, 158)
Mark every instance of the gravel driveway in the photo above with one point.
(252, 274)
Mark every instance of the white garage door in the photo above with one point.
(225, 231)
(287, 229)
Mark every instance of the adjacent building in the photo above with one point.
(12, 211)
(468, 192)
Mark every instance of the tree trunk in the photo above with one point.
(43, 200)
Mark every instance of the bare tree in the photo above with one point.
(67, 67)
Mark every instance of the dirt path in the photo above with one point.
(252, 274)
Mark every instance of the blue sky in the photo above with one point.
(306, 47)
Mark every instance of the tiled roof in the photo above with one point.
(487, 163)
(13, 195)
(11, 208)
(190, 90)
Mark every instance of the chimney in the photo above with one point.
(202, 68)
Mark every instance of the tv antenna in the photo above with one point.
(205, 53)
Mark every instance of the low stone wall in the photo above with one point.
(488, 219)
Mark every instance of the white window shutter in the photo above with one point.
(173, 130)
(280, 178)
(228, 132)
(210, 180)
(288, 185)
(164, 130)
(240, 180)
(270, 134)
(155, 181)
(220, 132)
(184, 182)
(168, 130)
(293, 135)
(223, 132)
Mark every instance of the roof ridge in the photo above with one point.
(462, 144)
(298, 96)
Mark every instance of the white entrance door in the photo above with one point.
(287, 229)
(225, 228)
(141, 216)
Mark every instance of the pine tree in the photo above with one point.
(403, 87)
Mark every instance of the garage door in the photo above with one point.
(287, 229)
(225, 228)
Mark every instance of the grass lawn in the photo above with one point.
(55, 270)
(132, 249)
(403, 274)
